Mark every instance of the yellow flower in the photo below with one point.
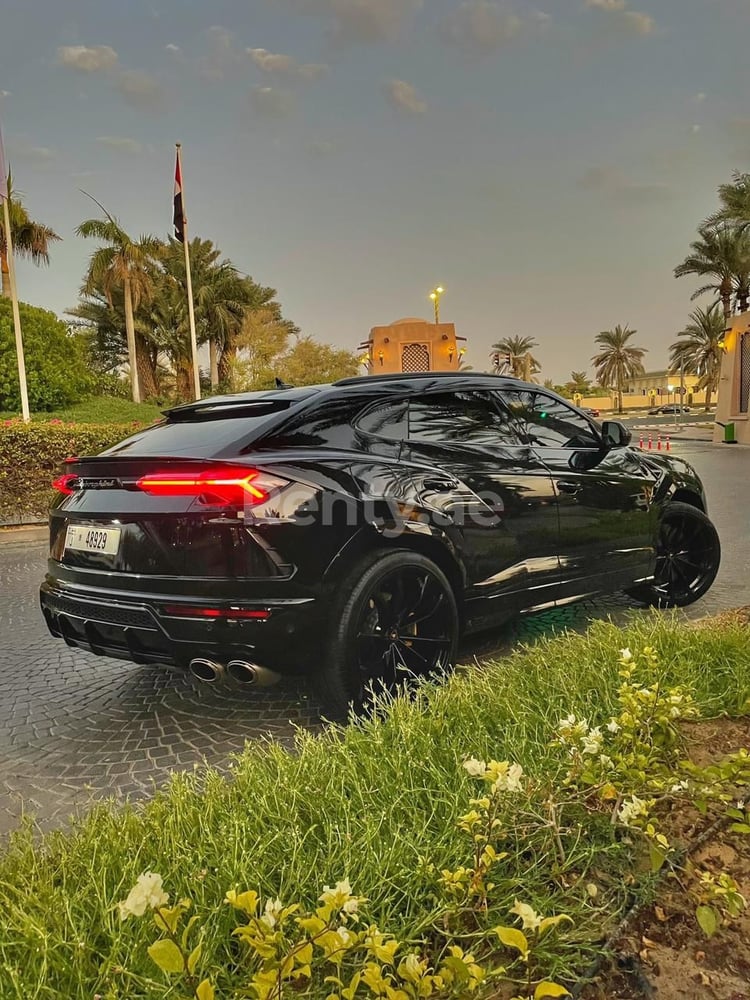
(529, 917)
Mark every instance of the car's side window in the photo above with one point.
(386, 420)
(546, 422)
(466, 418)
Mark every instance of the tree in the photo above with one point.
(579, 382)
(310, 363)
(617, 361)
(128, 265)
(519, 348)
(699, 350)
(735, 202)
(722, 254)
(56, 370)
(30, 239)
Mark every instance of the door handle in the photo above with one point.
(568, 488)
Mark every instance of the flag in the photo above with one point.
(179, 214)
(3, 171)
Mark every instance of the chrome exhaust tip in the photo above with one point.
(207, 671)
(245, 673)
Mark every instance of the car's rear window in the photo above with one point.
(197, 438)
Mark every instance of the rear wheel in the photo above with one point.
(688, 554)
(396, 619)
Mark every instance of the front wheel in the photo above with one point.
(396, 619)
(688, 554)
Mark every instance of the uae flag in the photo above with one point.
(179, 215)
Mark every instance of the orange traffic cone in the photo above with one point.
(640, 443)
(650, 444)
(658, 443)
(669, 447)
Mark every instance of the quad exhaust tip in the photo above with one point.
(207, 671)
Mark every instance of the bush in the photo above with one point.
(31, 455)
(57, 370)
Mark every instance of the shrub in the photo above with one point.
(31, 455)
(57, 371)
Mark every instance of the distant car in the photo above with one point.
(669, 408)
(591, 411)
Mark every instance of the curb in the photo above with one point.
(24, 533)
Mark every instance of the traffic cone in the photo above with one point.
(650, 444)
(669, 446)
(640, 443)
(658, 443)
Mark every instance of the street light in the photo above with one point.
(435, 296)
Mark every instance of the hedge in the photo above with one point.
(31, 456)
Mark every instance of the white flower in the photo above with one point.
(345, 936)
(681, 786)
(271, 912)
(475, 768)
(351, 905)
(632, 810)
(625, 655)
(146, 894)
(529, 917)
(592, 742)
(505, 777)
(604, 760)
(614, 726)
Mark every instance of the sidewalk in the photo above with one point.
(18, 534)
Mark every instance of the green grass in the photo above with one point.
(100, 410)
(376, 802)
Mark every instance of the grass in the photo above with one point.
(100, 410)
(376, 802)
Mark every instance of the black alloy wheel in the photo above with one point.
(396, 620)
(688, 554)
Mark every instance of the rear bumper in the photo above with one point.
(137, 628)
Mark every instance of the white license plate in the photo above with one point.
(87, 538)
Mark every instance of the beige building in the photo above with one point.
(734, 381)
(664, 387)
(412, 345)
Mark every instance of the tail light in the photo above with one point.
(63, 483)
(231, 485)
(188, 611)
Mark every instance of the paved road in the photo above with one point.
(74, 726)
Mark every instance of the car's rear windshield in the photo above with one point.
(199, 436)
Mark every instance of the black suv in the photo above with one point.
(357, 529)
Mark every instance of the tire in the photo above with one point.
(688, 555)
(396, 619)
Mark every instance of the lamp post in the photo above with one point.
(435, 296)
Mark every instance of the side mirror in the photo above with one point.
(615, 434)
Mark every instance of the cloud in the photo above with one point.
(361, 22)
(171, 47)
(403, 97)
(613, 183)
(140, 89)
(481, 26)
(121, 144)
(270, 62)
(223, 55)
(271, 103)
(4, 93)
(85, 59)
(23, 149)
(622, 21)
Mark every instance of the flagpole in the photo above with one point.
(191, 310)
(16, 312)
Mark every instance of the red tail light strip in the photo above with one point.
(62, 483)
(186, 611)
(223, 482)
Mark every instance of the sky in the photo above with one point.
(547, 162)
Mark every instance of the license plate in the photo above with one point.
(85, 538)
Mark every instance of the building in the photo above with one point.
(734, 382)
(412, 345)
(657, 388)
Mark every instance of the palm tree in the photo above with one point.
(519, 348)
(617, 361)
(722, 254)
(30, 239)
(579, 382)
(699, 351)
(125, 264)
(735, 202)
